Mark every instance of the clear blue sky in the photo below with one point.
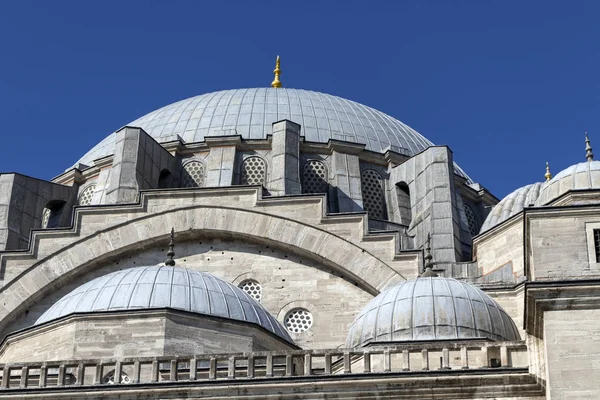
(508, 85)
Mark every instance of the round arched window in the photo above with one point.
(192, 174)
(253, 289)
(298, 320)
(85, 198)
(253, 171)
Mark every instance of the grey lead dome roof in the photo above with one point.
(161, 287)
(432, 308)
(251, 112)
(511, 205)
(582, 176)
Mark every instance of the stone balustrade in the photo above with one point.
(422, 357)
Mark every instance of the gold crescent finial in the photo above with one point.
(548, 175)
(276, 82)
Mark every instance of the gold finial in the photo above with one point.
(548, 175)
(588, 149)
(276, 82)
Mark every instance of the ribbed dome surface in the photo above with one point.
(432, 308)
(582, 176)
(161, 287)
(511, 205)
(251, 113)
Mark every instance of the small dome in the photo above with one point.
(252, 112)
(432, 308)
(165, 287)
(511, 205)
(582, 176)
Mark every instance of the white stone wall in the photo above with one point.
(572, 341)
(500, 248)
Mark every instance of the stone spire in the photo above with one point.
(428, 260)
(171, 253)
(588, 149)
(276, 82)
(548, 174)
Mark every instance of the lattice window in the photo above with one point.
(109, 379)
(472, 220)
(597, 244)
(192, 174)
(253, 289)
(314, 177)
(85, 198)
(298, 320)
(253, 171)
(45, 217)
(372, 193)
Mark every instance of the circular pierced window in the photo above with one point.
(471, 219)
(298, 320)
(253, 171)
(192, 174)
(314, 177)
(372, 193)
(253, 289)
(85, 198)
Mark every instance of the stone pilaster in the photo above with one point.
(430, 179)
(137, 164)
(346, 176)
(285, 159)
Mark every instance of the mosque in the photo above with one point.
(276, 243)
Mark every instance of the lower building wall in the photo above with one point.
(572, 341)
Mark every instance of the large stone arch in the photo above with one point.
(371, 273)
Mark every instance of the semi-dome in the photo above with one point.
(511, 205)
(431, 308)
(582, 176)
(251, 113)
(165, 287)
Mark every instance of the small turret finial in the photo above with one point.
(588, 149)
(276, 82)
(171, 253)
(548, 175)
(428, 260)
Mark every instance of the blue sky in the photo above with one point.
(507, 85)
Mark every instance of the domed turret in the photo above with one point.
(431, 308)
(582, 176)
(511, 205)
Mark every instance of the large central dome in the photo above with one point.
(251, 113)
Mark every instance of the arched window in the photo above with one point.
(404, 206)
(471, 220)
(253, 171)
(86, 195)
(253, 288)
(52, 214)
(192, 174)
(165, 179)
(314, 177)
(372, 194)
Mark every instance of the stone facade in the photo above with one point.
(314, 231)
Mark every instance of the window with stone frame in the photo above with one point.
(597, 244)
(314, 177)
(192, 174)
(372, 194)
(253, 171)
(471, 220)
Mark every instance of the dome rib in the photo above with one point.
(119, 289)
